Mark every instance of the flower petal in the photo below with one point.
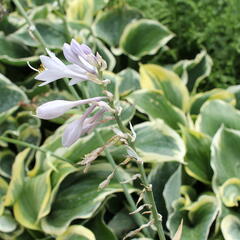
(50, 75)
(72, 133)
(50, 63)
(69, 54)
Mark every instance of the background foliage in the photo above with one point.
(188, 133)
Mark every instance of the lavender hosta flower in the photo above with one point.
(82, 55)
(84, 65)
(57, 108)
(81, 126)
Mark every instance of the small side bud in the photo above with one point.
(139, 209)
(106, 182)
(134, 177)
(136, 231)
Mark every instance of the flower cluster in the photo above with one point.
(84, 65)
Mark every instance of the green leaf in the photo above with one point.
(230, 227)
(144, 37)
(171, 190)
(213, 115)
(53, 34)
(156, 142)
(194, 71)
(230, 192)
(29, 134)
(226, 173)
(199, 99)
(236, 91)
(158, 78)
(100, 4)
(158, 177)
(129, 81)
(155, 105)
(10, 98)
(110, 24)
(12, 52)
(79, 198)
(29, 209)
(17, 180)
(3, 191)
(197, 218)
(77, 232)
(6, 161)
(122, 223)
(80, 10)
(198, 155)
(7, 223)
(100, 229)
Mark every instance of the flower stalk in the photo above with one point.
(31, 25)
(32, 146)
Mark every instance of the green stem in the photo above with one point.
(137, 216)
(31, 25)
(149, 193)
(67, 30)
(71, 89)
(25, 144)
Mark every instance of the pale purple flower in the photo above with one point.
(82, 55)
(84, 65)
(81, 126)
(56, 108)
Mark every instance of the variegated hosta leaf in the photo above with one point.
(171, 190)
(156, 142)
(122, 223)
(199, 99)
(80, 198)
(76, 232)
(11, 96)
(110, 24)
(29, 209)
(158, 78)
(17, 179)
(51, 32)
(155, 105)
(144, 37)
(230, 227)
(3, 191)
(236, 91)
(198, 155)
(215, 113)
(7, 222)
(158, 177)
(197, 217)
(230, 192)
(194, 71)
(226, 165)
(22, 192)
(6, 161)
(100, 4)
(11, 52)
(80, 10)
(100, 228)
(129, 81)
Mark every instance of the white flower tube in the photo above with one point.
(57, 108)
